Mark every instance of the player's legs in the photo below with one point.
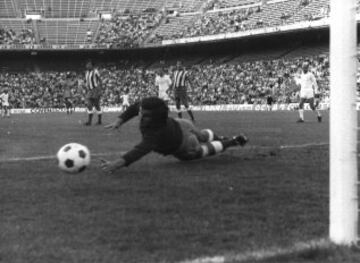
(4, 111)
(90, 111)
(301, 110)
(7, 111)
(269, 103)
(185, 101)
(68, 106)
(192, 149)
(204, 135)
(178, 106)
(314, 107)
(125, 106)
(98, 110)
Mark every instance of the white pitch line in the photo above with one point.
(51, 157)
(264, 254)
(303, 145)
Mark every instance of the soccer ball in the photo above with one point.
(73, 158)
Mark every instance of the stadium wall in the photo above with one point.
(227, 107)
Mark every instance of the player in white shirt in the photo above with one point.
(164, 82)
(4, 97)
(125, 100)
(309, 91)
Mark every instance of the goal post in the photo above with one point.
(343, 229)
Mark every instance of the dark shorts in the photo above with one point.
(94, 93)
(68, 103)
(190, 148)
(181, 96)
(94, 102)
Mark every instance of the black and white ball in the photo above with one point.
(73, 158)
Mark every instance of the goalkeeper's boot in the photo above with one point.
(240, 140)
(300, 121)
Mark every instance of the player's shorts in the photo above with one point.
(5, 104)
(94, 102)
(190, 147)
(181, 96)
(164, 97)
(68, 103)
(95, 93)
(306, 94)
(124, 105)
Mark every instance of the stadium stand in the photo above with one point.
(243, 79)
(313, 10)
(8, 8)
(71, 32)
(173, 27)
(133, 23)
(127, 31)
(56, 9)
(16, 32)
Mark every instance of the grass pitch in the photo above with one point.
(270, 194)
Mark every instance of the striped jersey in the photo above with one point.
(179, 78)
(92, 79)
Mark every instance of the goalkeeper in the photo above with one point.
(167, 136)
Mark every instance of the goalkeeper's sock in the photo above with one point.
(212, 148)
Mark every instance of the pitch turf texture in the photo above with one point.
(259, 198)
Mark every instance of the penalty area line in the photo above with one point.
(264, 254)
(51, 157)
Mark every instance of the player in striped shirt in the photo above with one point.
(180, 91)
(93, 88)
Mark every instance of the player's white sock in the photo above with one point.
(301, 114)
(212, 148)
(318, 113)
(209, 134)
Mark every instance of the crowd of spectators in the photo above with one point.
(211, 83)
(251, 82)
(133, 29)
(244, 19)
(127, 30)
(9, 37)
(219, 22)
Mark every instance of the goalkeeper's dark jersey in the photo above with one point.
(164, 139)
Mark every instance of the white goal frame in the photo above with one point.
(343, 229)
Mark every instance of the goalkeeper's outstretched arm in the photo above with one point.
(130, 113)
